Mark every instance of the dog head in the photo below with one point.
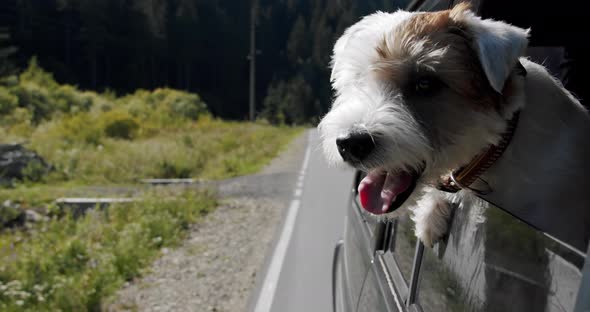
(418, 94)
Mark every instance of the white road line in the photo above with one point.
(267, 292)
(269, 287)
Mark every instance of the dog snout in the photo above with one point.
(356, 146)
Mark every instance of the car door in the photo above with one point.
(353, 255)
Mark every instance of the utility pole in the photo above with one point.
(253, 58)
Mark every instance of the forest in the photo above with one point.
(200, 46)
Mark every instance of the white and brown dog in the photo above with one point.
(428, 103)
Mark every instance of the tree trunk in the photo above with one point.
(93, 70)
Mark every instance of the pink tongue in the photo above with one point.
(379, 189)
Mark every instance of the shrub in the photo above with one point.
(68, 99)
(35, 99)
(82, 127)
(19, 123)
(164, 107)
(37, 91)
(99, 104)
(8, 101)
(185, 105)
(9, 214)
(9, 81)
(171, 170)
(36, 75)
(119, 125)
(35, 171)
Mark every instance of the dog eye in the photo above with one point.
(423, 84)
(427, 85)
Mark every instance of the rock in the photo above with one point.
(17, 162)
(33, 216)
(12, 215)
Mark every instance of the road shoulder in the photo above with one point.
(217, 266)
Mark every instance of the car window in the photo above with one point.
(491, 261)
(403, 245)
(398, 253)
(356, 252)
(372, 297)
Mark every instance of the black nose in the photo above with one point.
(356, 146)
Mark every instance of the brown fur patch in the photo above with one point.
(413, 44)
(416, 27)
(459, 10)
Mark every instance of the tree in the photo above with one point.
(7, 50)
(289, 102)
(297, 45)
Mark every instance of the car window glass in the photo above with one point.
(403, 245)
(491, 261)
(372, 298)
(355, 253)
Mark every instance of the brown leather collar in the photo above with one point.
(466, 175)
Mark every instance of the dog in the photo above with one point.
(440, 106)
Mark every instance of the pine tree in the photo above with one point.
(7, 50)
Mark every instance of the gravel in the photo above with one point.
(217, 267)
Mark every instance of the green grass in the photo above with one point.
(72, 265)
(207, 148)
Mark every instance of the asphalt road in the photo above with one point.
(298, 271)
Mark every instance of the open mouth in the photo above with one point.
(382, 191)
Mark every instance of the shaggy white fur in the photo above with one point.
(437, 133)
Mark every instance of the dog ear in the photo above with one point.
(498, 44)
